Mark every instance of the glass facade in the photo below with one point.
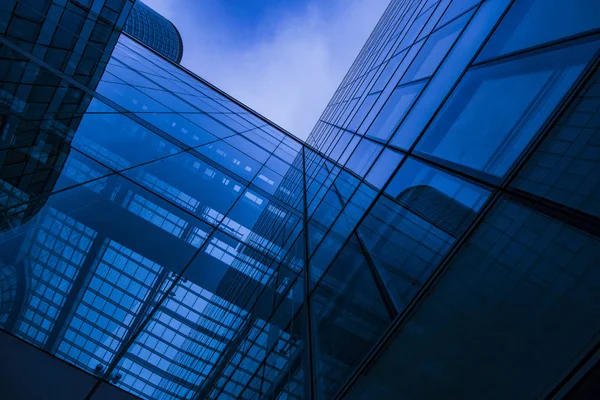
(155, 31)
(437, 236)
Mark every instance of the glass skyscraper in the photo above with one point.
(437, 235)
(155, 31)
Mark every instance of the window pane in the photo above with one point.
(553, 19)
(435, 49)
(514, 310)
(457, 7)
(412, 226)
(109, 137)
(449, 72)
(389, 69)
(363, 156)
(497, 109)
(407, 57)
(394, 110)
(435, 17)
(565, 167)
(349, 317)
(362, 111)
(383, 167)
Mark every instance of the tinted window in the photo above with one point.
(497, 109)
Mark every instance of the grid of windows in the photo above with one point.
(155, 31)
(183, 246)
(56, 251)
(464, 102)
(115, 293)
(40, 112)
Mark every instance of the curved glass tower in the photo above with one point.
(155, 31)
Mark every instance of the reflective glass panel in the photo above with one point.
(348, 317)
(435, 49)
(452, 68)
(552, 19)
(394, 110)
(412, 226)
(521, 298)
(497, 109)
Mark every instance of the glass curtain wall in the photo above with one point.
(442, 215)
(155, 31)
(163, 251)
(456, 164)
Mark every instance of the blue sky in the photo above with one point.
(283, 58)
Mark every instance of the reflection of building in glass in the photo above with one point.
(155, 31)
(8, 289)
(437, 208)
(162, 240)
(40, 111)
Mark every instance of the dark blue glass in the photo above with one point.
(163, 238)
(552, 19)
(155, 31)
(565, 168)
(521, 296)
(452, 68)
(348, 317)
(363, 157)
(383, 168)
(394, 110)
(435, 49)
(362, 112)
(497, 109)
(412, 226)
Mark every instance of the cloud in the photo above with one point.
(289, 72)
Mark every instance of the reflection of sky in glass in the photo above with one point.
(165, 253)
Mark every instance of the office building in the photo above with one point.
(155, 31)
(437, 236)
